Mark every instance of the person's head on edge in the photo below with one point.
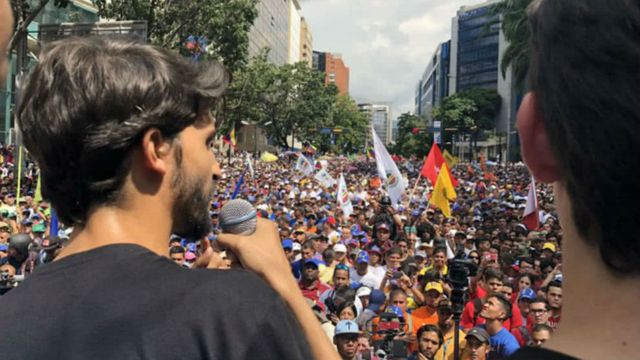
(540, 334)
(139, 124)
(478, 344)
(346, 338)
(430, 339)
(563, 108)
(6, 28)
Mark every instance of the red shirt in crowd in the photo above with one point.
(313, 292)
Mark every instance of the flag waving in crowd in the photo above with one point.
(304, 165)
(530, 215)
(230, 139)
(443, 192)
(388, 170)
(433, 164)
(343, 198)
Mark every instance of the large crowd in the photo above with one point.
(378, 279)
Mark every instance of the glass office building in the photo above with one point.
(271, 30)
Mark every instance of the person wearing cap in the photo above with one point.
(340, 251)
(287, 247)
(375, 260)
(548, 249)
(375, 306)
(345, 339)
(362, 273)
(447, 326)
(382, 236)
(478, 345)
(495, 310)
(427, 314)
(309, 283)
(18, 251)
(523, 332)
(308, 250)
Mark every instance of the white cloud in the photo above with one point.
(381, 41)
(385, 43)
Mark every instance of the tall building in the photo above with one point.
(306, 42)
(434, 84)
(477, 49)
(336, 72)
(271, 30)
(379, 115)
(295, 24)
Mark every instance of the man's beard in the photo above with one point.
(191, 208)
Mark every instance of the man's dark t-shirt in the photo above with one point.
(530, 353)
(125, 302)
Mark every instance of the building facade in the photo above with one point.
(434, 84)
(295, 24)
(271, 30)
(336, 72)
(379, 115)
(306, 43)
(477, 48)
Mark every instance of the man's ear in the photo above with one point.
(536, 149)
(156, 151)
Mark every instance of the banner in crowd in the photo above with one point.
(343, 198)
(304, 165)
(324, 178)
(387, 170)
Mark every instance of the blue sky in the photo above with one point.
(385, 43)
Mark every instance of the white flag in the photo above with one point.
(343, 198)
(387, 170)
(304, 165)
(248, 162)
(324, 178)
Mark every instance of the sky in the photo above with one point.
(385, 43)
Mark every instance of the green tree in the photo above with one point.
(348, 125)
(288, 100)
(224, 24)
(517, 31)
(469, 112)
(413, 136)
(487, 103)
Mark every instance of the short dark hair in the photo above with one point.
(505, 303)
(542, 327)
(176, 250)
(308, 244)
(394, 250)
(431, 328)
(491, 273)
(585, 67)
(542, 300)
(88, 103)
(554, 283)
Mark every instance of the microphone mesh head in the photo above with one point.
(238, 217)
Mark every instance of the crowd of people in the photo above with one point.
(378, 279)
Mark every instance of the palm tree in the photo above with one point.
(516, 29)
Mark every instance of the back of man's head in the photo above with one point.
(87, 104)
(585, 73)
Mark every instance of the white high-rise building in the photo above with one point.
(294, 31)
(379, 115)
